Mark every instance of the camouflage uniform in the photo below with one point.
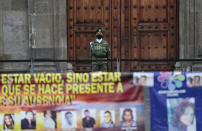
(99, 51)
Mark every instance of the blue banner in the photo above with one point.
(176, 101)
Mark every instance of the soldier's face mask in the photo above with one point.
(99, 36)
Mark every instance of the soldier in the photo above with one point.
(99, 50)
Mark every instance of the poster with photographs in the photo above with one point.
(127, 117)
(28, 120)
(176, 101)
(8, 121)
(72, 101)
(50, 119)
(181, 114)
(107, 118)
(143, 79)
(194, 79)
(69, 119)
(88, 118)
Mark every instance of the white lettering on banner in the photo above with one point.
(129, 128)
(171, 92)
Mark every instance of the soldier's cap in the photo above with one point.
(99, 31)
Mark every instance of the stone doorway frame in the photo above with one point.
(189, 34)
(55, 11)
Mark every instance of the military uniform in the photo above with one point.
(99, 50)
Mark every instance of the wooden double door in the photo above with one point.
(135, 29)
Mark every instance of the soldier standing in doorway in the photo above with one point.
(99, 50)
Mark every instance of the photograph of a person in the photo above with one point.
(196, 81)
(29, 120)
(189, 81)
(193, 80)
(69, 119)
(49, 119)
(107, 119)
(8, 121)
(88, 120)
(181, 114)
(143, 79)
(128, 117)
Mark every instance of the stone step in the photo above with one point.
(44, 67)
(43, 64)
(197, 66)
(43, 70)
(40, 67)
(6, 71)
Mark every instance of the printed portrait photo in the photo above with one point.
(28, 120)
(143, 79)
(181, 114)
(128, 117)
(107, 118)
(194, 80)
(69, 119)
(8, 121)
(88, 118)
(50, 119)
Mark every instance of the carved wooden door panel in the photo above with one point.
(83, 18)
(135, 29)
(148, 31)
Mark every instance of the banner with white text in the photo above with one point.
(176, 101)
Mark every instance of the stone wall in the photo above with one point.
(190, 34)
(48, 22)
(45, 21)
(14, 33)
(33, 29)
(198, 35)
(1, 30)
(41, 24)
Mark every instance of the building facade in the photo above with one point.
(41, 29)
